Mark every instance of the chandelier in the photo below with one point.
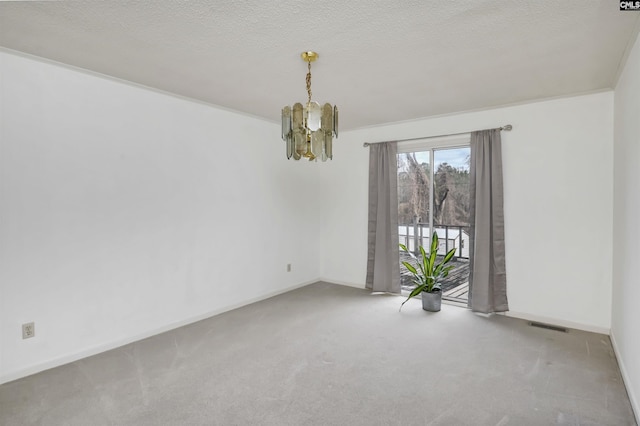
(308, 130)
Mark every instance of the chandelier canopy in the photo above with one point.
(309, 129)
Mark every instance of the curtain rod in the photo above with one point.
(506, 127)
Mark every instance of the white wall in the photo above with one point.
(124, 212)
(626, 226)
(558, 193)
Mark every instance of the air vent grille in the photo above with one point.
(548, 327)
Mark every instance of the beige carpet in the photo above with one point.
(333, 355)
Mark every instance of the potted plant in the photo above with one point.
(428, 275)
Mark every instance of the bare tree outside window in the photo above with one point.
(413, 188)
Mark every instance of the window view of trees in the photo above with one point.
(451, 187)
(413, 188)
(451, 195)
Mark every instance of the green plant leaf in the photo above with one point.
(406, 250)
(424, 265)
(434, 242)
(448, 256)
(445, 271)
(413, 293)
(432, 261)
(410, 268)
(423, 253)
(416, 291)
(439, 269)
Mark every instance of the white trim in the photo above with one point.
(557, 322)
(627, 51)
(626, 379)
(511, 314)
(428, 144)
(66, 359)
(427, 118)
(344, 283)
(97, 74)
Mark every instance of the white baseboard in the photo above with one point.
(633, 397)
(344, 283)
(558, 322)
(512, 314)
(66, 359)
(520, 315)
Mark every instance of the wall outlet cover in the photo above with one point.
(28, 330)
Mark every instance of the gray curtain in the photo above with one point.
(383, 268)
(487, 277)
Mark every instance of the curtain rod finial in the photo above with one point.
(508, 127)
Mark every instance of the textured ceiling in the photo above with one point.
(380, 61)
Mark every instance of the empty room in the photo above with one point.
(319, 213)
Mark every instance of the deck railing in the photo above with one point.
(450, 236)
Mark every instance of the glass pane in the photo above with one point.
(451, 216)
(413, 198)
(327, 118)
(300, 146)
(317, 140)
(297, 120)
(335, 121)
(290, 147)
(328, 145)
(313, 114)
(286, 122)
(414, 177)
(451, 199)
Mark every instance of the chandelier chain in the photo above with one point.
(309, 81)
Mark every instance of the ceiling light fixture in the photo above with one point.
(309, 130)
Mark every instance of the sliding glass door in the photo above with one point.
(433, 195)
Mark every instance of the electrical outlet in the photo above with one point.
(288, 267)
(28, 330)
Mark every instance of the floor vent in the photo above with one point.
(548, 327)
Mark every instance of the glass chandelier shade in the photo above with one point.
(308, 130)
